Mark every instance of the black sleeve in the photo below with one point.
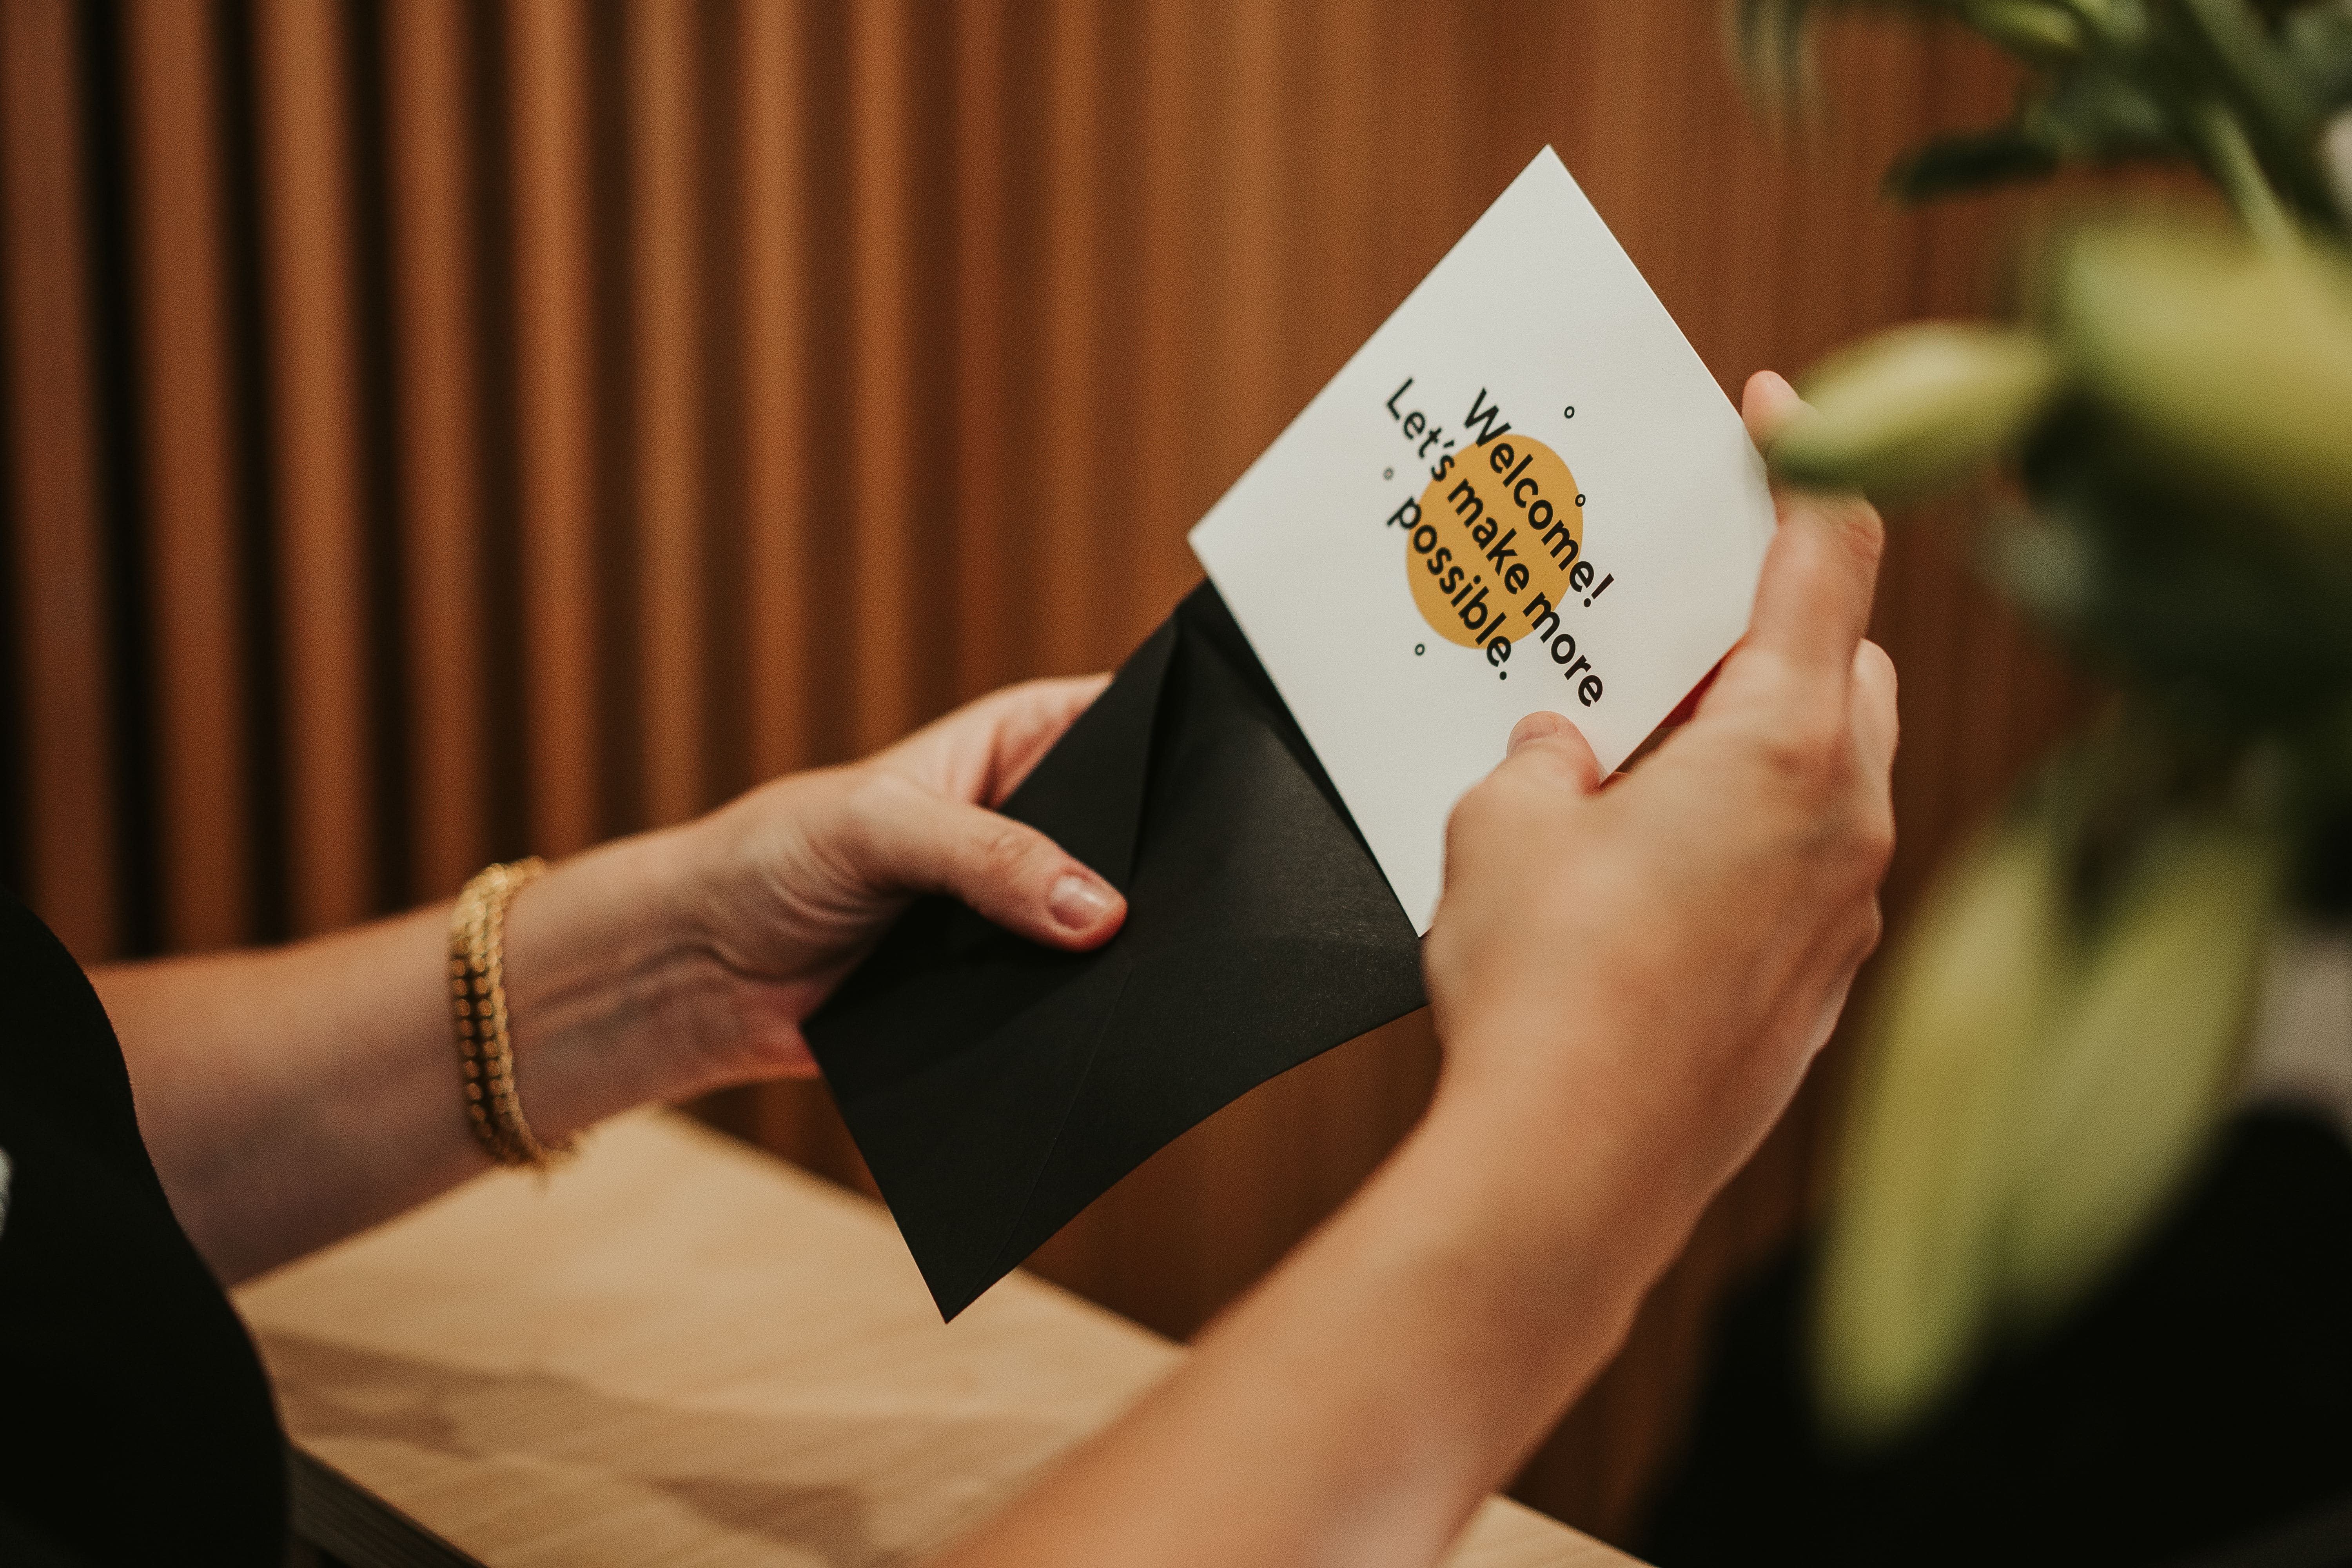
(136, 1422)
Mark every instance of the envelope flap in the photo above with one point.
(1088, 791)
(1204, 614)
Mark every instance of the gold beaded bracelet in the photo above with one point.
(478, 987)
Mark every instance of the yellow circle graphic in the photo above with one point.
(1498, 533)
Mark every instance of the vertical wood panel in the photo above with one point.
(984, 580)
(546, 73)
(304, 116)
(667, 322)
(431, 76)
(1071, 418)
(878, 501)
(58, 617)
(1125, 526)
(191, 491)
(1171, 295)
(1247, 328)
(1338, 187)
(776, 376)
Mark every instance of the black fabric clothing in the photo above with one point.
(2197, 1406)
(136, 1426)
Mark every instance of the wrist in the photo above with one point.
(614, 1000)
(1548, 1122)
(1502, 1251)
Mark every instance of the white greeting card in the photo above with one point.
(1524, 492)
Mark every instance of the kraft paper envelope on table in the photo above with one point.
(1524, 492)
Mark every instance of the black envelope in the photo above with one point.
(997, 1088)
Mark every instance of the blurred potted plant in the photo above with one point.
(2058, 1035)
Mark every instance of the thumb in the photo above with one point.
(1547, 746)
(1006, 871)
(1767, 403)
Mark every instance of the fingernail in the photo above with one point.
(1078, 903)
(1534, 726)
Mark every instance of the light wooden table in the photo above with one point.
(681, 1351)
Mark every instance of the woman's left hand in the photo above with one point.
(801, 876)
(684, 960)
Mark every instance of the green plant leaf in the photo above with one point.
(1972, 162)
(1915, 408)
(2233, 51)
(2034, 1090)
(2029, 29)
(2102, 114)
(2222, 618)
(2233, 364)
(2240, 89)
(2317, 43)
(1910, 1261)
(2132, 1076)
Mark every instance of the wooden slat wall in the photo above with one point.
(435, 310)
(63, 663)
(438, 431)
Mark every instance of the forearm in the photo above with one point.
(1398, 1368)
(292, 1095)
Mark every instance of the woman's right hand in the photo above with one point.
(1658, 960)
